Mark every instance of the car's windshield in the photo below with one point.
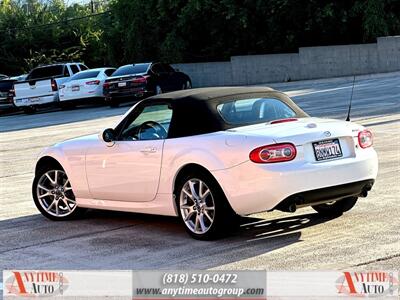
(131, 69)
(253, 111)
(86, 74)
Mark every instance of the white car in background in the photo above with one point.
(84, 85)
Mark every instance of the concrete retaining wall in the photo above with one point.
(309, 63)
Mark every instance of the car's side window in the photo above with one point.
(108, 72)
(152, 123)
(168, 68)
(74, 69)
(157, 69)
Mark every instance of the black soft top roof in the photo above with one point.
(195, 110)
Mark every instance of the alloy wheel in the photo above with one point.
(54, 193)
(197, 206)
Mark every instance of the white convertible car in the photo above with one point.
(208, 155)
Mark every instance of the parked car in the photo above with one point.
(83, 86)
(2, 76)
(6, 94)
(41, 85)
(136, 81)
(208, 155)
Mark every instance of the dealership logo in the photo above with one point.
(367, 284)
(35, 283)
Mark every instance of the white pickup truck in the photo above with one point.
(41, 85)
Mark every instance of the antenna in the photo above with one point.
(351, 99)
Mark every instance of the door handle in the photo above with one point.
(149, 150)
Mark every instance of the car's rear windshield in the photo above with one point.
(86, 74)
(253, 111)
(49, 71)
(131, 69)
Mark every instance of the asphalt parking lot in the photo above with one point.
(367, 237)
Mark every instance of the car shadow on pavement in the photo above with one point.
(116, 240)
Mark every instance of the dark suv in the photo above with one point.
(136, 81)
(6, 94)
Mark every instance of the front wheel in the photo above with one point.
(203, 207)
(336, 208)
(53, 195)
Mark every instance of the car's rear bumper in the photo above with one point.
(34, 101)
(252, 187)
(126, 95)
(318, 196)
(81, 97)
(6, 103)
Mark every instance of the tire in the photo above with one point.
(158, 90)
(186, 85)
(67, 105)
(53, 195)
(210, 216)
(336, 208)
(114, 103)
(29, 110)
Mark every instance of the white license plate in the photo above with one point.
(121, 84)
(35, 99)
(75, 88)
(327, 149)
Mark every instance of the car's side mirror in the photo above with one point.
(108, 136)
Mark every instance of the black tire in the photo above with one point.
(67, 105)
(336, 208)
(77, 212)
(113, 103)
(224, 218)
(158, 90)
(29, 110)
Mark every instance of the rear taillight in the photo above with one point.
(365, 139)
(53, 85)
(283, 120)
(11, 93)
(106, 85)
(139, 80)
(273, 153)
(93, 82)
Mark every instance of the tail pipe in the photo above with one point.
(365, 190)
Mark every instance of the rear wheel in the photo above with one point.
(336, 208)
(67, 105)
(29, 110)
(53, 194)
(158, 90)
(114, 103)
(203, 207)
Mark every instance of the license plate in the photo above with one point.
(75, 88)
(327, 149)
(35, 99)
(121, 84)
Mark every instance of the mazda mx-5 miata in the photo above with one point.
(207, 156)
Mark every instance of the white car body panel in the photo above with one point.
(103, 176)
(79, 89)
